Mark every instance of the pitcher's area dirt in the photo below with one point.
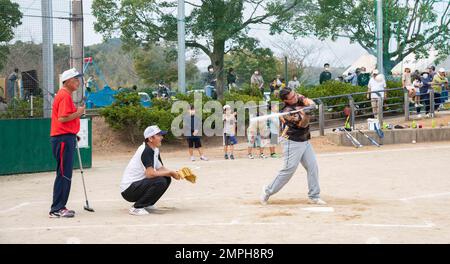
(392, 194)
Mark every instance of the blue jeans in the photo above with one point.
(209, 90)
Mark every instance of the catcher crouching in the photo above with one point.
(145, 178)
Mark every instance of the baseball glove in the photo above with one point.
(187, 174)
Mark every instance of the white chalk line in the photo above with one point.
(425, 196)
(14, 208)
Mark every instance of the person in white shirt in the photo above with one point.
(376, 84)
(229, 131)
(294, 83)
(145, 178)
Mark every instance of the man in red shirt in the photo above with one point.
(63, 135)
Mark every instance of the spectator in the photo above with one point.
(163, 90)
(192, 126)
(254, 131)
(440, 87)
(229, 131)
(352, 78)
(376, 84)
(432, 70)
(210, 81)
(90, 84)
(407, 84)
(426, 80)
(12, 85)
(417, 84)
(257, 81)
(274, 129)
(363, 77)
(231, 79)
(294, 83)
(3, 105)
(326, 74)
(273, 87)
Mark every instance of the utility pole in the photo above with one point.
(76, 49)
(181, 48)
(47, 57)
(380, 36)
(286, 68)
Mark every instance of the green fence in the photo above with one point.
(25, 146)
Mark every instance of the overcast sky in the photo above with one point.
(340, 53)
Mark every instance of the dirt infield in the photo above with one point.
(393, 194)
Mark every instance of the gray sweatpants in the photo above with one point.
(295, 153)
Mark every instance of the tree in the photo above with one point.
(245, 62)
(10, 18)
(216, 27)
(414, 26)
(158, 63)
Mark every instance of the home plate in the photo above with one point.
(319, 209)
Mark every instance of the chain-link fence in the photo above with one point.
(21, 78)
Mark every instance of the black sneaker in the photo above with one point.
(62, 213)
(226, 156)
(232, 157)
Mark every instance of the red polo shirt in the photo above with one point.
(63, 106)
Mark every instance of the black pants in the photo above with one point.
(63, 148)
(425, 99)
(146, 192)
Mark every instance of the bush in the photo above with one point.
(22, 109)
(333, 88)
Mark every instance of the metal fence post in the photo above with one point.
(31, 104)
(431, 102)
(321, 118)
(406, 103)
(351, 102)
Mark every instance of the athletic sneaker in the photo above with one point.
(232, 157)
(204, 158)
(274, 155)
(419, 116)
(62, 213)
(138, 211)
(262, 156)
(264, 196)
(250, 156)
(150, 208)
(411, 101)
(226, 156)
(192, 158)
(317, 201)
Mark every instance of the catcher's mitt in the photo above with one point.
(187, 174)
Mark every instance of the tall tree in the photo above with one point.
(10, 18)
(413, 26)
(215, 27)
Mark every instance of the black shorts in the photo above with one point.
(194, 142)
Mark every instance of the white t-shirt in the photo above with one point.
(229, 124)
(376, 86)
(144, 157)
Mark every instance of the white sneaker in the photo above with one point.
(250, 156)
(192, 158)
(264, 196)
(419, 116)
(150, 208)
(416, 105)
(204, 158)
(317, 201)
(138, 211)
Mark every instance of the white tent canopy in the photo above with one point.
(413, 64)
(368, 61)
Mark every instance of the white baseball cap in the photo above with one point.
(71, 73)
(153, 130)
(375, 71)
(226, 107)
(441, 70)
